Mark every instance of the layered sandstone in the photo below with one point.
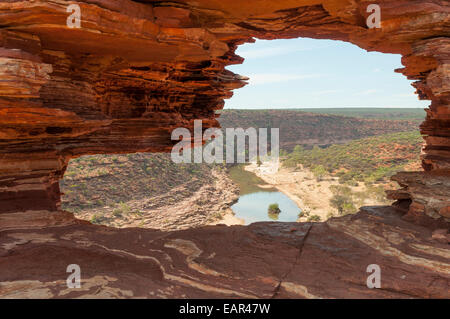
(263, 260)
(133, 72)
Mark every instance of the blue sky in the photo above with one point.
(308, 73)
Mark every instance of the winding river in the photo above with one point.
(255, 197)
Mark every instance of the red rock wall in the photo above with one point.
(137, 69)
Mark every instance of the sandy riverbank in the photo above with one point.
(229, 219)
(303, 188)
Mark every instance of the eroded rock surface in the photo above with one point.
(429, 193)
(135, 70)
(263, 260)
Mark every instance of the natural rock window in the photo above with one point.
(133, 72)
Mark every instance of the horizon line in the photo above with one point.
(317, 108)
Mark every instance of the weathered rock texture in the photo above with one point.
(263, 260)
(137, 69)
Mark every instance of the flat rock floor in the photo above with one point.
(262, 260)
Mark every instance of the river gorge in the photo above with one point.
(255, 196)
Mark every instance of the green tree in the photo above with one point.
(319, 172)
(274, 209)
(338, 202)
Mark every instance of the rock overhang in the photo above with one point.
(135, 70)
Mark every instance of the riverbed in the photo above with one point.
(255, 196)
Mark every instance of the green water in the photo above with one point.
(254, 201)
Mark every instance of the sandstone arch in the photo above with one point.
(137, 69)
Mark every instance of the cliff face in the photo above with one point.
(135, 70)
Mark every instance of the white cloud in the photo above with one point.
(265, 78)
(325, 92)
(268, 52)
(405, 95)
(261, 49)
(366, 92)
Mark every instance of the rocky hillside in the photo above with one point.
(366, 160)
(146, 190)
(308, 129)
(413, 114)
(99, 180)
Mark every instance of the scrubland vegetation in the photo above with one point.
(112, 180)
(368, 162)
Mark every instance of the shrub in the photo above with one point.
(298, 149)
(349, 208)
(274, 209)
(96, 219)
(314, 218)
(343, 203)
(117, 212)
(123, 208)
(319, 172)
